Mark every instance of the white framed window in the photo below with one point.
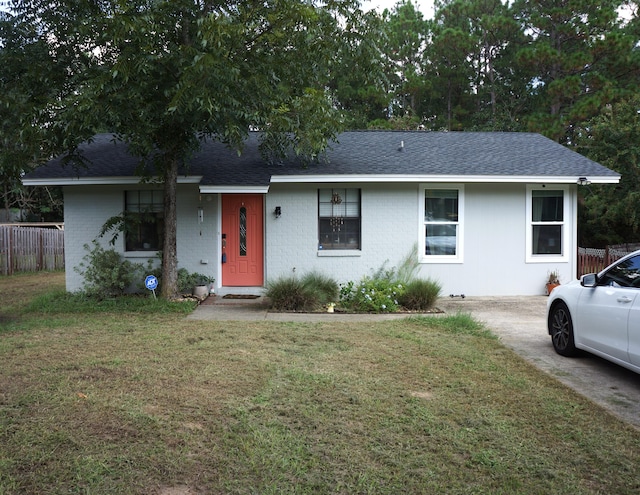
(547, 213)
(442, 223)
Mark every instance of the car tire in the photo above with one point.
(560, 327)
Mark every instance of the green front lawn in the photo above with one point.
(114, 399)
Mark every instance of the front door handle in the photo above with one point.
(624, 299)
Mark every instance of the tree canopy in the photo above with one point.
(163, 75)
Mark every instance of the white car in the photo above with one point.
(600, 313)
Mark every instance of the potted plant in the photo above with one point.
(202, 285)
(553, 280)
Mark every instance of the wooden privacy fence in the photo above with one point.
(592, 260)
(30, 249)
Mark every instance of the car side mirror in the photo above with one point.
(590, 280)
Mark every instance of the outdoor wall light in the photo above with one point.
(583, 181)
(277, 212)
(200, 214)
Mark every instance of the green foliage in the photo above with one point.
(574, 51)
(406, 34)
(408, 266)
(164, 76)
(611, 214)
(308, 293)
(458, 324)
(288, 294)
(372, 295)
(187, 281)
(106, 273)
(324, 286)
(420, 294)
(63, 302)
(389, 289)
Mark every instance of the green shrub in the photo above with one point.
(107, 274)
(389, 289)
(305, 294)
(187, 281)
(420, 294)
(371, 295)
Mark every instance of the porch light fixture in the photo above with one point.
(277, 212)
(583, 181)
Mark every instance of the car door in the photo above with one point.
(634, 332)
(604, 311)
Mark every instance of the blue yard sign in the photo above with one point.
(151, 283)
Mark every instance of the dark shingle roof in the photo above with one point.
(423, 154)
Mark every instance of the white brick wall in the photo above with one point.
(494, 235)
(88, 207)
(197, 242)
(389, 229)
(494, 238)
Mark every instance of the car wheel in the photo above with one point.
(561, 330)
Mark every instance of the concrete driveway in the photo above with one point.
(520, 322)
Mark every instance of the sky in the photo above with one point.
(425, 6)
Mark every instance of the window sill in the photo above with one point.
(140, 254)
(441, 260)
(339, 253)
(546, 258)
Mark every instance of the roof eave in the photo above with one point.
(238, 189)
(102, 181)
(492, 179)
(349, 178)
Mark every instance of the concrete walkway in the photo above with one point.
(220, 309)
(520, 322)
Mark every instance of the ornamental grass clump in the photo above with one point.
(420, 294)
(308, 293)
(324, 288)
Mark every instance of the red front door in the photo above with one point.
(242, 240)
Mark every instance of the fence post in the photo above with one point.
(10, 252)
(40, 250)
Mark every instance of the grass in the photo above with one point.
(308, 293)
(125, 401)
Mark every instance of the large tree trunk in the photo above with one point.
(169, 289)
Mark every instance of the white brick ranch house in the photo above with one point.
(491, 213)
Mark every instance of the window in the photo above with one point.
(338, 219)
(624, 274)
(546, 215)
(442, 221)
(144, 220)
